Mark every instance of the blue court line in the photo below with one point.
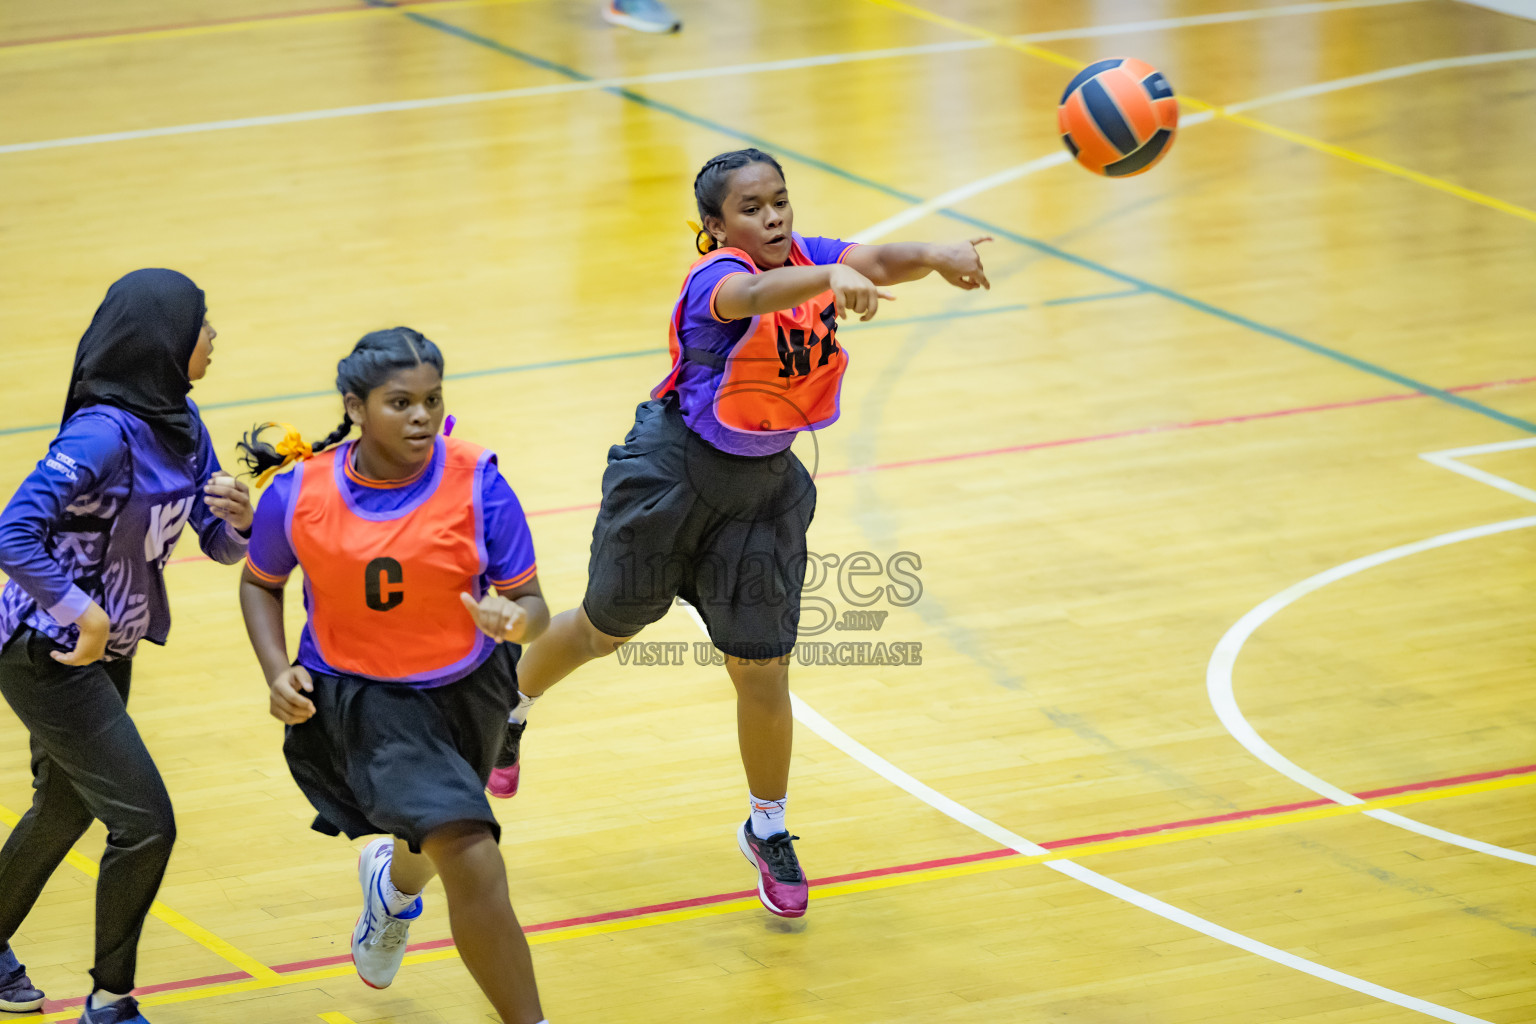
(552, 364)
(1045, 247)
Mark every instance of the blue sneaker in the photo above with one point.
(17, 993)
(641, 15)
(378, 940)
(124, 1011)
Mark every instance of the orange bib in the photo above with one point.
(383, 588)
(785, 373)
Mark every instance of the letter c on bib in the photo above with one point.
(379, 572)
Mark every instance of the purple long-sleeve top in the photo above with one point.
(97, 520)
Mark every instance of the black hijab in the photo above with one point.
(135, 353)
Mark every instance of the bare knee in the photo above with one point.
(457, 839)
(760, 679)
(596, 643)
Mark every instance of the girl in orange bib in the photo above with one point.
(419, 583)
(705, 500)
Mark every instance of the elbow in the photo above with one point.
(14, 545)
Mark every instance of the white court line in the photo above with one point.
(813, 720)
(821, 726)
(953, 809)
(1218, 682)
(1219, 671)
(1384, 75)
(731, 70)
(1219, 18)
(917, 212)
(1448, 460)
(1518, 8)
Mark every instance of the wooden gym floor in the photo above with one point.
(1268, 794)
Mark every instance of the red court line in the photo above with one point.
(1162, 428)
(277, 16)
(900, 869)
(1086, 439)
(1371, 794)
(53, 1005)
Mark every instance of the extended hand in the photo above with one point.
(960, 264)
(852, 292)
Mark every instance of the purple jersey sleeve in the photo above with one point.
(219, 541)
(700, 328)
(508, 544)
(271, 557)
(83, 453)
(822, 251)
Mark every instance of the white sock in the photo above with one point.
(767, 816)
(101, 997)
(524, 704)
(395, 901)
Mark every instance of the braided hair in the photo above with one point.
(374, 359)
(713, 183)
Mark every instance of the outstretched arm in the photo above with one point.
(744, 295)
(898, 262)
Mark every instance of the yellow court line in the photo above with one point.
(337, 1018)
(191, 929)
(192, 31)
(822, 892)
(1374, 163)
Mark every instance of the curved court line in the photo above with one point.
(817, 723)
(992, 229)
(996, 859)
(823, 727)
(1062, 60)
(1218, 681)
(734, 70)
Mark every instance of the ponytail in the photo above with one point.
(373, 360)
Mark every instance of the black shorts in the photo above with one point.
(680, 518)
(403, 760)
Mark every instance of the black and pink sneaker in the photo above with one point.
(780, 882)
(505, 776)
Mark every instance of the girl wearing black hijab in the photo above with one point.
(84, 541)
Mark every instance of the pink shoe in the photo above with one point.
(780, 882)
(503, 782)
(504, 777)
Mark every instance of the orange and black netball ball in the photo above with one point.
(1118, 117)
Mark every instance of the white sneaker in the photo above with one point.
(378, 941)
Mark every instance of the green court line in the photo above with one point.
(1045, 247)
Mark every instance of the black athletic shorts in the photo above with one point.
(403, 760)
(680, 518)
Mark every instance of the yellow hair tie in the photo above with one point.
(698, 230)
(292, 448)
